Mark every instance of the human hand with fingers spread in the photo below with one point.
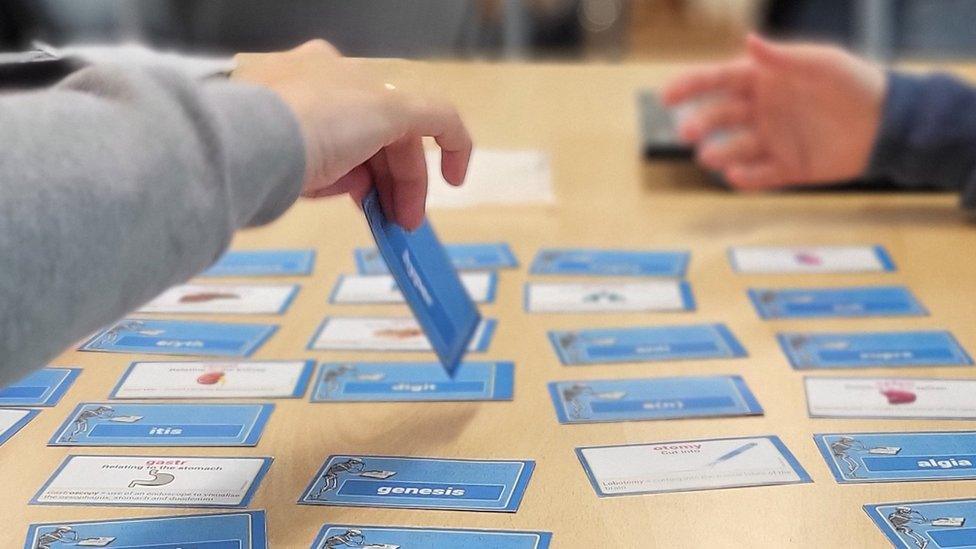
(786, 114)
(360, 131)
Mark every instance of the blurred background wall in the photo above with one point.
(573, 29)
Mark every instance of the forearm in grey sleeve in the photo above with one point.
(928, 134)
(117, 184)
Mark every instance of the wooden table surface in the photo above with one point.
(585, 118)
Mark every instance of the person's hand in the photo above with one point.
(361, 131)
(782, 114)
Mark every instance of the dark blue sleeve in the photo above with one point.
(928, 135)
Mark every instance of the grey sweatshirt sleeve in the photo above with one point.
(928, 135)
(118, 183)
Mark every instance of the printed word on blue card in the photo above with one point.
(464, 257)
(99, 424)
(610, 262)
(596, 346)
(865, 301)
(413, 382)
(894, 457)
(177, 337)
(927, 524)
(653, 398)
(420, 483)
(154, 481)
(392, 537)
(243, 530)
(686, 465)
(428, 282)
(43, 387)
(811, 351)
(13, 420)
(263, 263)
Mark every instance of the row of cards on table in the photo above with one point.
(576, 261)
(805, 350)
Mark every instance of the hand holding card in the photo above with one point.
(428, 281)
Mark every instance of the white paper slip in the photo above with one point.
(891, 398)
(597, 297)
(368, 289)
(810, 259)
(236, 379)
(680, 466)
(385, 334)
(223, 299)
(151, 481)
(512, 177)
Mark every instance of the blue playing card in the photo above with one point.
(836, 302)
(391, 537)
(645, 344)
(428, 281)
(487, 256)
(178, 337)
(927, 524)
(413, 382)
(43, 387)
(240, 530)
(610, 262)
(654, 398)
(113, 424)
(811, 351)
(262, 263)
(896, 457)
(420, 483)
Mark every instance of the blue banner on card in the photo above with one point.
(413, 382)
(596, 346)
(262, 263)
(866, 301)
(242, 530)
(927, 524)
(653, 398)
(428, 282)
(389, 537)
(610, 262)
(43, 387)
(464, 257)
(811, 351)
(420, 483)
(894, 457)
(100, 424)
(177, 337)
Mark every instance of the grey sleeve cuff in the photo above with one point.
(264, 180)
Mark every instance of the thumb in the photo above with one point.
(766, 52)
(807, 57)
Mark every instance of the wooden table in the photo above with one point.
(584, 116)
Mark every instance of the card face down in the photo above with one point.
(899, 457)
(428, 281)
(420, 483)
(392, 537)
(815, 351)
(241, 530)
(652, 398)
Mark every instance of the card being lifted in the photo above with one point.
(428, 281)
